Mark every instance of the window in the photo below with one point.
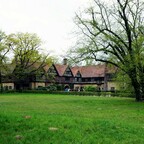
(89, 79)
(83, 80)
(52, 71)
(78, 80)
(112, 88)
(92, 79)
(6, 87)
(68, 73)
(67, 79)
(10, 87)
(78, 74)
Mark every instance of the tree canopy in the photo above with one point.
(27, 57)
(26, 48)
(4, 49)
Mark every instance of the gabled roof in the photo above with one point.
(39, 66)
(75, 70)
(85, 71)
(60, 69)
(46, 68)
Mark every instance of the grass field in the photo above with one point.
(59, 119)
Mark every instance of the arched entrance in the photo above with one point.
(66, 88)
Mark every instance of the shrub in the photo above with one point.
(51, 87)
(60, 87)
(90, 88)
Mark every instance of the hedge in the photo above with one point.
(81, 93)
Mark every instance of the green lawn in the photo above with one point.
(62, 119)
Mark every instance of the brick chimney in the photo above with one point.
(65, 61)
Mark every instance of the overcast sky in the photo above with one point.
(52, 20)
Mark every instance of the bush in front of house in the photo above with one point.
(75, 93)
(51, 87)
(90, 89)
(60, 87)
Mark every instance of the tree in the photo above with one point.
(4, 49)
(28, 57)
(114, 33)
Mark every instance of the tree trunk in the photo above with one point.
(138, 94)
(137, 89)
(1, 85)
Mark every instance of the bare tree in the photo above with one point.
(114, 33)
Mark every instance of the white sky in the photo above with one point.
(51, 20)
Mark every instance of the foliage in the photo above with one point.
(4, 49)
(44, 90)
(41, 89)
(60, 87)
(114, 33)
(90, 88)
(44, 119)
(28, 59)
(26, 48)
(123, 82)
(51, 87)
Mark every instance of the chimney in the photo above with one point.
(65, 61)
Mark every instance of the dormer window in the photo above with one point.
(68, 72)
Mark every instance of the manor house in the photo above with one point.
(76, 78)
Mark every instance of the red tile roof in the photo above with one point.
(60, 69)
(93, 70)
(75, 70)
(86, 71)
(46, 68)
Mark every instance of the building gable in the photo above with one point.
(78, 74)
(52, 71)
(60, 69)
(68, 72)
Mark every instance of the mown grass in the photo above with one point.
(59, 119)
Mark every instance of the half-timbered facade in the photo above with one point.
(96, 75)
(61, 74)
(75, 78)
